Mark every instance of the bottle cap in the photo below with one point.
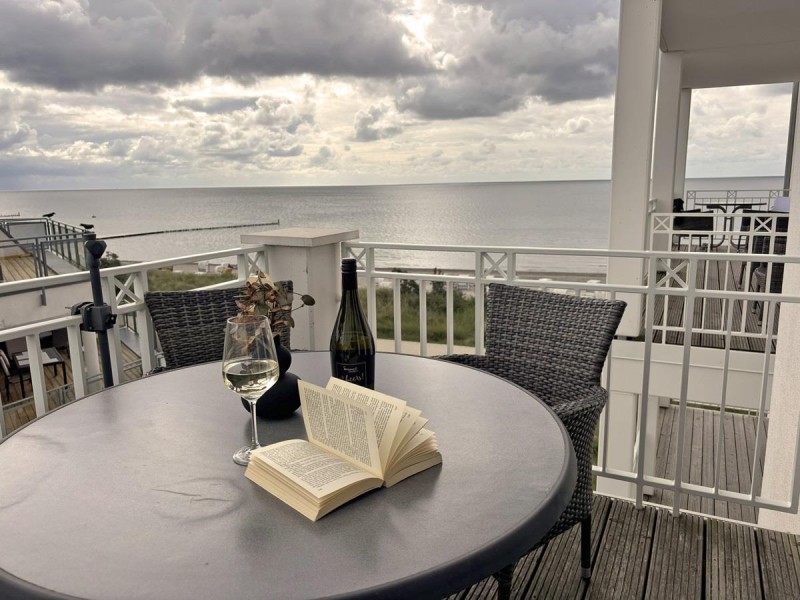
(348, 265)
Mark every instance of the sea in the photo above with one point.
(559, 214)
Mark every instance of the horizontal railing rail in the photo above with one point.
(701, 198)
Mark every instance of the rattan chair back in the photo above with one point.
(191, 325)
(562, 340)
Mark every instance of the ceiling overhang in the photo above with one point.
(733, 42)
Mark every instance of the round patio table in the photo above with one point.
(132, 493)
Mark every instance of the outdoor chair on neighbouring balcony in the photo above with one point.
(691, 220)
(191, 325)
(554, 346)
(12, 375)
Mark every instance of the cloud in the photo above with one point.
(89, 44)
(322, 157)
(497, 55)
(282, 113)
(215, 106)
(376, 123)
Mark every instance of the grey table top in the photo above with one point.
(132, 493)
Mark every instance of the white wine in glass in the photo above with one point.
(249, 367)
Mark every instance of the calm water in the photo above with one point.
(550, 214)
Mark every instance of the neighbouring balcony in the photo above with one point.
(687, 422)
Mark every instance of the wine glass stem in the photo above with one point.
(254, 434)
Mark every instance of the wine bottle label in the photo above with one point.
(352, 372)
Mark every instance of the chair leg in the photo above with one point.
(586, 548)
(503, 578)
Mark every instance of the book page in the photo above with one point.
(386, 410)
(344, 427)
(410, 415)
(416, 427)
(311, 467)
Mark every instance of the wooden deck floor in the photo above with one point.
(648, 554)
(16, 268)
(699, 453)
(23, 412)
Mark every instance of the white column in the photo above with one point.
(634, 115)
(311, 259)
(665, 144)
(784, 421)
(634, 112)
(679, 183)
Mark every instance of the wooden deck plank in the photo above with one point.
(699, 453)
(709, 451)
(731, 565)
(696, 458)
(731, 466)
(743, 462)
(779, 561)
(557, 574)
(677, 548)
(665, 422)
(621, 568)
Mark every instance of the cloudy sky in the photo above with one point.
(141, 93)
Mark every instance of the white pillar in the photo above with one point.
(679, 183)
(665, 144)
(311, 259)
(634, 115)
(634, 112)
(784, 421)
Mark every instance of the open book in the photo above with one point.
(358, 440)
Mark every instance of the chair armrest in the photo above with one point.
(477, 361)
(571, 404)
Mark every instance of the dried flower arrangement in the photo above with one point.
(262, 296)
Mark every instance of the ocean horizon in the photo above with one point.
(571, 213)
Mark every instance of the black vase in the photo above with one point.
(282, 399)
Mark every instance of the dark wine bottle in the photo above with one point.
(352, 344)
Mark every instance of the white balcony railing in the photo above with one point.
(681, 305)
(762, 199)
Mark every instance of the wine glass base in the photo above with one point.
(242, 455)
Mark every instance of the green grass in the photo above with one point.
(463, 306)
(168, 281)
(463, 314)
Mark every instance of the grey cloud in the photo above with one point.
(375, 123)
(279, 151)
(280, 113)
(528, 49)
(215, 106)
(559, 14)
(322, 157)
(16, 134)
(94, 43)
(459, 98)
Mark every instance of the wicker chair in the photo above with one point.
(554, 346)
(191, 325)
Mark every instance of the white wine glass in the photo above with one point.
(249, 367)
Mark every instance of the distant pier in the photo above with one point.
(143, 233)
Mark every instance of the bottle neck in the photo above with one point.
(349, 282)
